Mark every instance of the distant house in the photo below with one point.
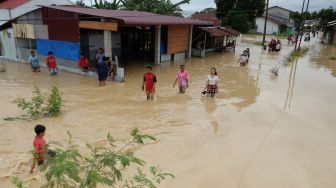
(69, 30)
(278, 21)
(311, 23)
(331, 32)
(20, 11)
(211, 17)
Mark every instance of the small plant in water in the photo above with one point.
(103, 165)
(275, 70)
(40, 105)
(18, 182)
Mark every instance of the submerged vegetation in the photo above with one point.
(294, 55)
(102, 165)
(332, 57)
(40, 105)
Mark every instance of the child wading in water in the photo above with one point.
(51, 64)
(182, 78)
(102, 70)
(34, 62)
(148, 84)
(41, 152)
(211, 87)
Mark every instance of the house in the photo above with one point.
(331, 32)
(214, 38)
(11, 10)
(278, 21)
(129, 35)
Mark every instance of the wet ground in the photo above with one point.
(260, 131)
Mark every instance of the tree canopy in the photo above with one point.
(324, 16)
(240, 14)
(165, 7)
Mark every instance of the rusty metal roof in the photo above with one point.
(132, 17)
(207, 17)
(10, 4)
(231, 31)
(215, 32)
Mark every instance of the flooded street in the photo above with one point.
(260, 131)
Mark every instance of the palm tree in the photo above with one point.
(165, 7)
(103, 4)
(80, 3)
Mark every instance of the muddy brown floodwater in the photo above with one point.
(260, 131)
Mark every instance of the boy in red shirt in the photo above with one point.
(83, 63)
(39, 146)
(149, 81)
(51, 64)
(41, 151)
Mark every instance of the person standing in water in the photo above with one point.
(148, 84)
(100, 55)
(102, 70)
(51, 64)
(182, 78)
(34, 62)
(211, 87)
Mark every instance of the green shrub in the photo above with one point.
(54, 103)
(102, 165)
(18, 182)
(40, 105)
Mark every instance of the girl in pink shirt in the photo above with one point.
(182, 78)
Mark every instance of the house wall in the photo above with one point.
(280, 13)
(7, 43)
(178, 39)
(270, 28)
(66, 29)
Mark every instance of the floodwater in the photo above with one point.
(260, 131)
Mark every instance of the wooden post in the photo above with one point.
(204, 44)
(304, 18)
(265, 24)
(299, 30)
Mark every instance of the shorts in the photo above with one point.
(34, 67)
(211, 89)
(53, 71)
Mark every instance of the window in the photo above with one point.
(9, 35)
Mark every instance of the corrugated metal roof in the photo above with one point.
(231, 31)
(215, 31)
(132, 17)
(211, 17)
(10, 4)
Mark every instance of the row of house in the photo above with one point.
(278, 21)
(68, 30)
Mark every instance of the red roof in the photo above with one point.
(230, 30)
(132, 17)
(215, 32)
(10, 4)
(211, 17)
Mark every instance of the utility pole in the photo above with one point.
(299, 30)
(265, 24)
(304, 19)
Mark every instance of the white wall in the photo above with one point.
(7, 45)
(270, 28)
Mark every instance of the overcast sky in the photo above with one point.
(197, 5)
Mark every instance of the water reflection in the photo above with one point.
(291, 84)
(324, 59)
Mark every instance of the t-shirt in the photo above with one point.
(182, 77)
(99, 57)
(150, 79)
(212, 79)
(243, 59)
(38, 146)
(34, 61)
(51, 62)
(83, 62)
